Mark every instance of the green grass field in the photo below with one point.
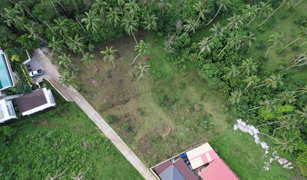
(53, 141)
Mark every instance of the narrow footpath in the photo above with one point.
(94, 116)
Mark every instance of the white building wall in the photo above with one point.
(7, 111)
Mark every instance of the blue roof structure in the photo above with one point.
(171, 173)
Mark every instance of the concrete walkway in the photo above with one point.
(94, 115)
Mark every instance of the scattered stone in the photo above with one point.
(85, 144)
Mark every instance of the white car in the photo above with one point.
(36, 73)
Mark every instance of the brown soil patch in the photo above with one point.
(93, 81)
(85, 144)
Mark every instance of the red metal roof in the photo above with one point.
(218, 170)
(162, 167)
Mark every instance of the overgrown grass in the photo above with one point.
(53, 141)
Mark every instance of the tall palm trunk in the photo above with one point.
(62, 7)
(54, 7)
(251, 21)
(196, 22)
(268, 136)
(183, 34)
(255, 108)
(294, 65)
(135, 58)
(260, 85)
(267, 2)
(50, 28)
(223, 76)
(267, 124)
(135, 39)
(276, 129)
(30, 14)
(303, 43)
(272, 13)
(241, 45)
(95, 67)
(80, 24)
(76, 6)
(267, 51)
(299, 57)
(113, 63)
(82, 51)
(223, 49)
(291, 43)
(296, 4)
(215, 15)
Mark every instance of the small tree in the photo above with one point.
(142, 49)
(141, 70)
(109, 55)
(89, 60)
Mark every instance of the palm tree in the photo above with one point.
(113, 17)
(75, 44)
(91, 20)
(55, 45)
(67, 80)
(142, 49)
(65, 60)
(189, 26)
(231, 72)
(150, 22)
(302, 90)
(99, 4)
(200, 8)
(247, 40)
(216, 30)
(12, 17)
(248, 66)
(205, 44)
(273, 81)
(22, 7)
(223, 4)
(121, 3)
(56, 176)
(70, 70)
(146, 3)
(251, 80)
(109, 55)
(274, 40)
(80, 175)
(302, 34)
(302, 114)
(264, 11)
(286, 144)
(130, 26)
(235, 97)
(234, 23)
(132, 6)
(76, 5)
(234, 39)
(272, 13)
(164, 4)
(141, 70)
(288, 98)
(89, 60)
(250, 11)
(61, 26)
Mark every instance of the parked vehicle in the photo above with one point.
(36, 73)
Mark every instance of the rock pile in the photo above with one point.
(254, 132)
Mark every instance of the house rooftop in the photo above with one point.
(198, 163)
(31, 101)
(35, 101)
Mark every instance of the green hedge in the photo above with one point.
(26, 74)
